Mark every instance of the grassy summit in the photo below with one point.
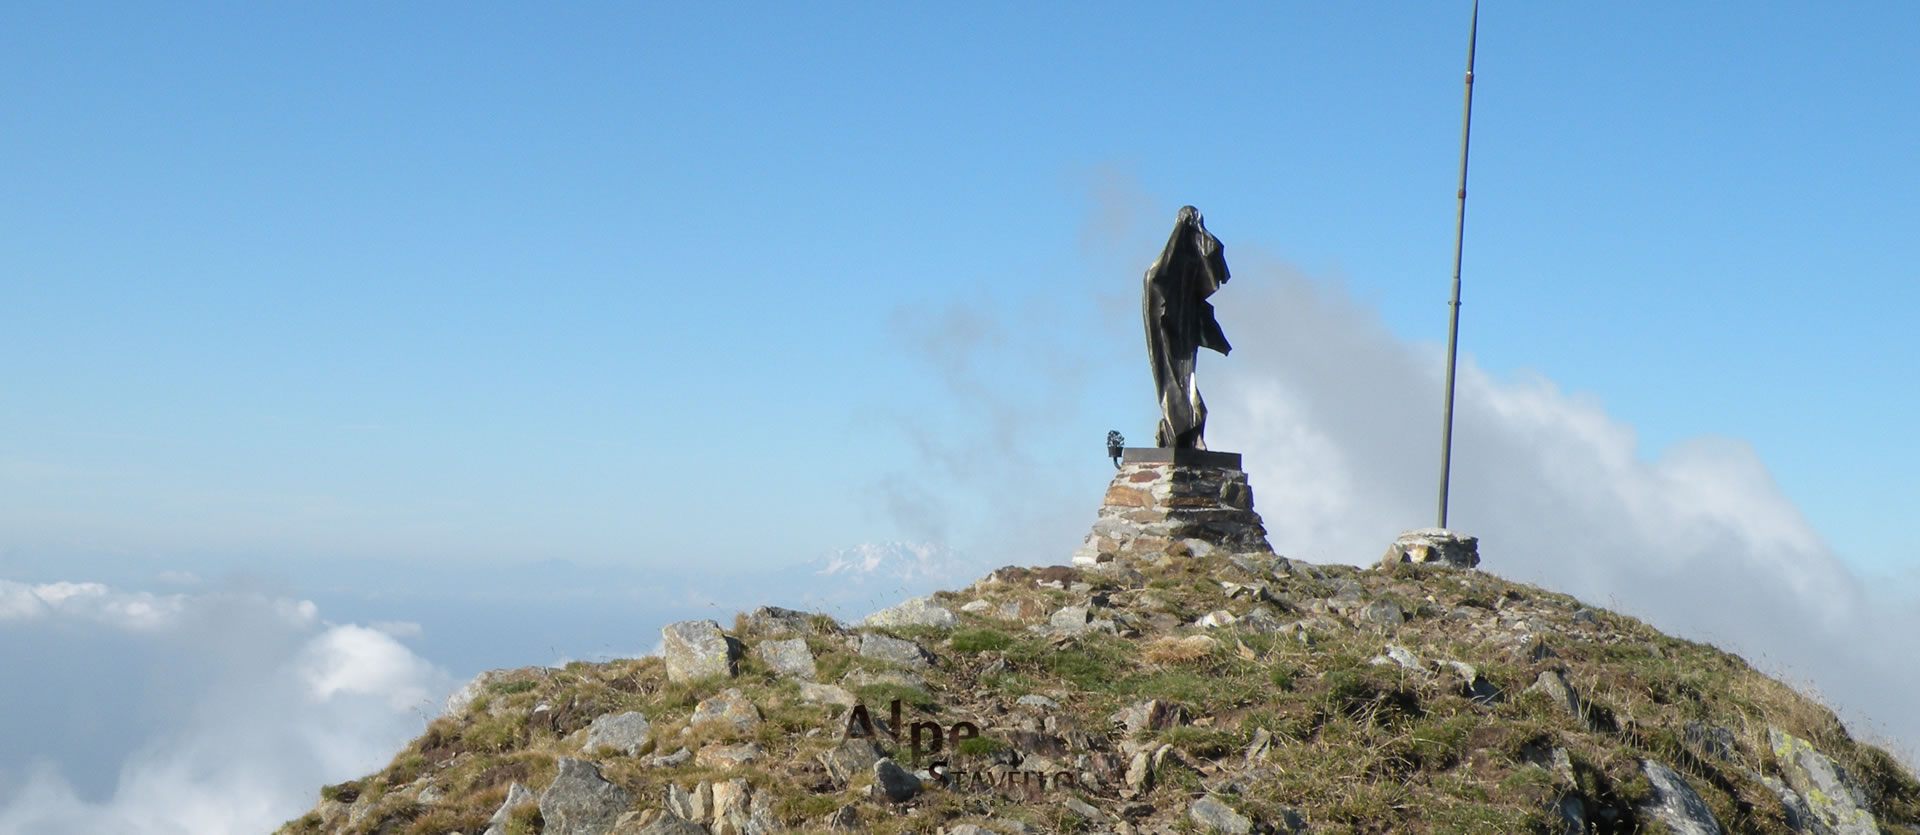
(1181, 694)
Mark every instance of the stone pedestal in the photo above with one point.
(1164, 497)
(1434, 545)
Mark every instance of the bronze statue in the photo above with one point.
(1180, 322)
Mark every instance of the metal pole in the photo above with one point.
(1459, 237)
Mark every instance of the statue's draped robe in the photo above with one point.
(1180, 322)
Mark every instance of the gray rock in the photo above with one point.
(1834, 800)
(1563, 764)
(1473, 685)
(627, 733)
(1262, 744)
(969, 829)
(1383, 613)
(1198, 547)
(1291, 822)
(672, 760)
(826, 694)
(897, 784)
(790, 657)
(1264, 621)
(1799, 817)
(772, 620)
(461, 699)
(690, 805)
(730, 756)
(1397, 654)
(1140, 773)
(361, 806)
(1348, 589)
(581, 802)
(517, 796)
(698, 649)
(1037, 700)
(1573, 815)
(1070, 620)
(1216, 619)
(1082, 808)
(920, 611)
(1434, 545)
(1554, 684)
(1712, 740)
(843, 819)
(1215, 816)
(851, 757)
(897, 650)
(1019, 610)
(1675, 803)
(733, 808)
(977, 607)
(1150, 715)
(729, 706)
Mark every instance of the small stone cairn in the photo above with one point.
(1163, 497)
(1433, 545)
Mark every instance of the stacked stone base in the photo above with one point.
(1434, 545)
(1163, 498)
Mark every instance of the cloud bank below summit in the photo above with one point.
(1339, 423)
(220, 711)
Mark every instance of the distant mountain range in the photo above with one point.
(850, 583)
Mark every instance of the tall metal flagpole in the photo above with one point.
(1459, 236)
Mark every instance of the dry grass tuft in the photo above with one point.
(1171, 650)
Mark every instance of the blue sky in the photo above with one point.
(457, 281)
(361, 303)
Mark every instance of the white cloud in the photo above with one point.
(89, 601)
(232, 709)
(355, 660)
(1339, 423)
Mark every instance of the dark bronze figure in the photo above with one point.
(1180, 322)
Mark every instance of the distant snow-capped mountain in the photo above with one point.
(891, 561)
(854, 581)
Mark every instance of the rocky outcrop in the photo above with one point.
(581, 802)
(698, 649)
(627, 733)
(790, 657)
(1553, 684)
(1835, 803)
(1212, 815)
(517, 798)
(770, 621)
(1197, 692)
(895, 783)
(458, 702)
(919, 611)
(895, 650)
(730, 708)
(849, 758)
(1675, 804)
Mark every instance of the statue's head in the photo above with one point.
(1192, 243)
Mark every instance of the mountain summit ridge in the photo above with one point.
(1174, 692)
